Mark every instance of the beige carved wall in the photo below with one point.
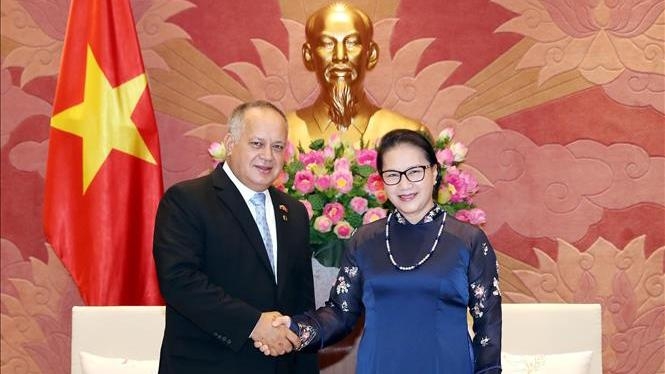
(561, 104)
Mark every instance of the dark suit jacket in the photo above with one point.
(216, 279)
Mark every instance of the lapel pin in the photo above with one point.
(283, 208)
(284, 218)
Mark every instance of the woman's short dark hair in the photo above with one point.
(414, 138)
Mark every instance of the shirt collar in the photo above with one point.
(433, 214)
(246, 192)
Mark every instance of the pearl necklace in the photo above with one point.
(427, 256)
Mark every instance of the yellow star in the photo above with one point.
(103, 120)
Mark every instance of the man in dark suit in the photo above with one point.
(230, 261)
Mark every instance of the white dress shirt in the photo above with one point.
(247, 194)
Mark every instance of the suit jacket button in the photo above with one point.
(228, 341)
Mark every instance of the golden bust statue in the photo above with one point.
(339, 49)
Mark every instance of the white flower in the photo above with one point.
(459, 151)
(497, 290)
(476, 311)
(446, 134)
(479, 292)
(342, 286)
(351, 271)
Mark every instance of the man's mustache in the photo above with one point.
(332, 70)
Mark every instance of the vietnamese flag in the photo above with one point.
(103, 177)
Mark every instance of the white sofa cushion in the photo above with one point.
(558, 363)
(94, 364)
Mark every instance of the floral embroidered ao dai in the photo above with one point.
(415, 321)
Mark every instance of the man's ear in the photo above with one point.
(228, 143)
(307, 56)
(373, 55)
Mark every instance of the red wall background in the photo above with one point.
(561, 104)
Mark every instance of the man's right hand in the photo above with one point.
(278, 340)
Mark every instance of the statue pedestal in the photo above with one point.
(324, 278)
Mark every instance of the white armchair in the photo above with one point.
(531, 329)
(123, 332)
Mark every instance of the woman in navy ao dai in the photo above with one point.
(414, 274)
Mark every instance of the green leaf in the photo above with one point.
(339, 151)
(354, 219)
(317, 202)
(316, 144)
(330, 253)
(365, 170)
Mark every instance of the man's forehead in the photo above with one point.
(344, 21)
(265, 128)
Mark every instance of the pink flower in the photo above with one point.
(358, 204)
(474, 216)
(463, 184)
(328, 153)
(445, 157)
(342, 163)
(282, 177)
(335, 140)
(342, 180)
(374, 183)
(334, 211)
(373, 214)
(304, 181)
(381, 196)
(459, 151)
(289, 151)
(308, 207)
(366, 157)
(323, 182)
(444, 193)
(446, 134)
(322, 224)
(312, 157)
(217, 151)
(281, 180)
(343, 230)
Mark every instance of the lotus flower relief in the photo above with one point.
(37, 296)
(600, 39)
(38, 30)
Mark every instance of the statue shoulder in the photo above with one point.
(388, 120)
(298, 132)
(387, 115)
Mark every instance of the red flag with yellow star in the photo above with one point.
(103, 178)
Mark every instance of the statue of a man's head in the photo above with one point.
(340, 49)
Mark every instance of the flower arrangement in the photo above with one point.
(341, 189)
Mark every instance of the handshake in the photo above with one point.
(272, 335)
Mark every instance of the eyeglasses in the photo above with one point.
(412, 174)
